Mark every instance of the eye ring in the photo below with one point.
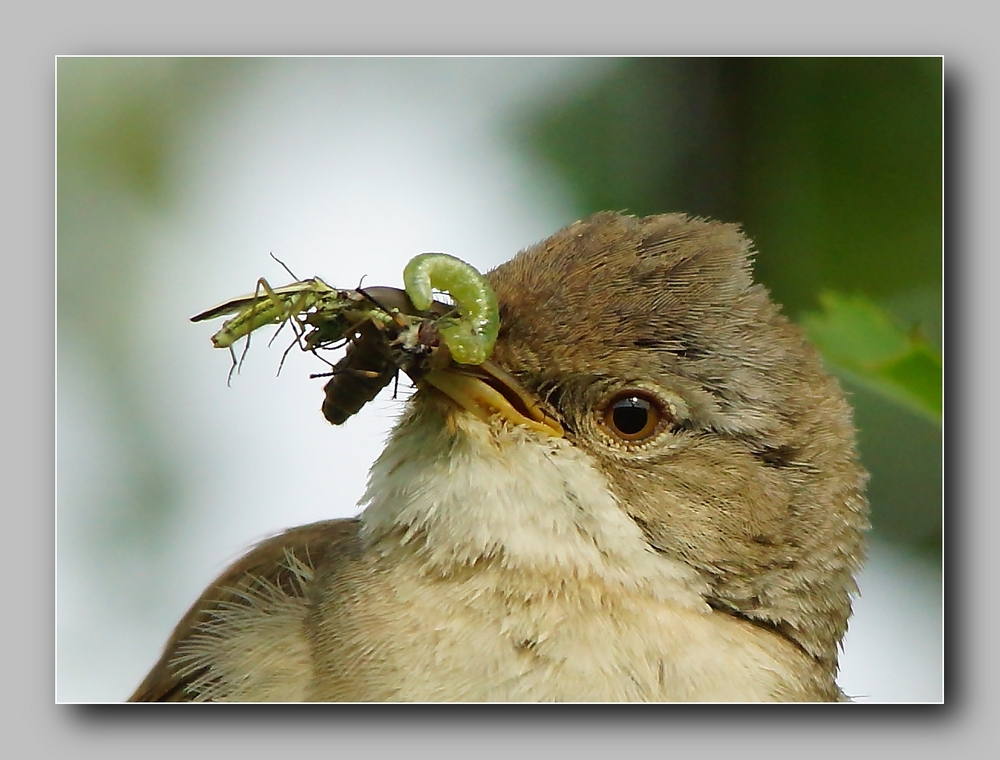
(633, 415)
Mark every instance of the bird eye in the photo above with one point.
(633, 415)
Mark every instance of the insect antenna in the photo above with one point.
(284, 265)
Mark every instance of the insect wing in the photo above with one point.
(241, 303)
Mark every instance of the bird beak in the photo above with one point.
(486, 390)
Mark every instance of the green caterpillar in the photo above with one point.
(471, 336)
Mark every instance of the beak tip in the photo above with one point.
(468, 388)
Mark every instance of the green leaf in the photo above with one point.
(865, 343)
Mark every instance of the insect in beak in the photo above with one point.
(387, 330)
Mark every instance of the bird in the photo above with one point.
(651, 492)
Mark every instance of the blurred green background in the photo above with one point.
(832, 165)
(834, 168)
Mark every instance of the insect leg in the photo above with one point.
(261, 283)
(232, 367)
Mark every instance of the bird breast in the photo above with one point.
(509, 548)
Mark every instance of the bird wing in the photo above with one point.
(244, 639)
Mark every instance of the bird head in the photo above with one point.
(648, 418)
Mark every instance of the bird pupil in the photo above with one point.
(631, 415)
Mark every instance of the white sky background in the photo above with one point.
(342, 168)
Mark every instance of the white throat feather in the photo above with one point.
(459, 490)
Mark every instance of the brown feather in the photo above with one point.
(270, 565)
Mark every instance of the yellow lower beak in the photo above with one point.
(474, 389)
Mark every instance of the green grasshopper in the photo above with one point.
(273, 306)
